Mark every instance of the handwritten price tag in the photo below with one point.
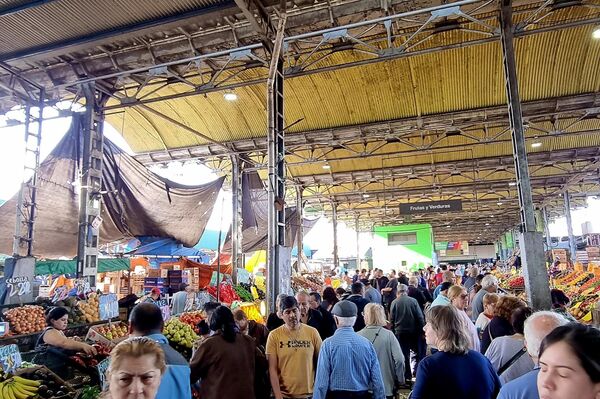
(18, 286)
(10, 358)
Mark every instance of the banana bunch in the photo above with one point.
(18, 388)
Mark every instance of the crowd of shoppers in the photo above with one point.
(362, 345)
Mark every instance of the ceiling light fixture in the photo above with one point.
(230, 96)
(512, 183)
(499, 203)
(596, 33)
(537, 144)
(326, 167)
(366, 195)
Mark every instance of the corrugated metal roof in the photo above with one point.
(551, 64)
(61, 20)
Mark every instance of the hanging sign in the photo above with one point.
(10, 358)
(108, 306)
(97, 222)
(243, 276)
(163, 304)
(102, 368)
(431, 207)
(18, 286)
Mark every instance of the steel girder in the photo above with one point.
(379, 39)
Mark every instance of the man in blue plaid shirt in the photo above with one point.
(348, 367)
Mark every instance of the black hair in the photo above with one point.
(317, 296)
(445, 286)
(329, 295)
(339, 291)
(55, 314)
(518, 317)
(287, 303)
(356, 288)
(146, 318)
(584, 341)
(183, 286)
(559, 298)
(444, 267)
(363, 270)
(203, 328)
(211, 306)
(479, 278)
(222, 319)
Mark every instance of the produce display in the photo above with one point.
(90, 308)
(19, 388)
(113, 331)
(516, 282)
(26, 319)
(181, 336)
(76, 315)
(84, 360)
(308, 283)
(49, 386)
(226, 293)
(244, 294)
(192, 319)
(584, 290)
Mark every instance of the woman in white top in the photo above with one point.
(459, 298)
(489, 304)
(508, 354)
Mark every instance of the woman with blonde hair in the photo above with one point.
(136, 368)
(442, 375)
(391, 359)
(459, 297)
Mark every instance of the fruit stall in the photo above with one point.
(581, 285)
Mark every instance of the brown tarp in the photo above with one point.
(255, 214)
(136, 202)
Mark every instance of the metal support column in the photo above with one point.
(547, 229)
(300, 233)
(276, 154)
(90, 196)
(356, 223)
(236, 223)
(26, 201)
(336, 258)
(572, 244)
(531, 241)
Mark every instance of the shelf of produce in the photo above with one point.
(26, 342)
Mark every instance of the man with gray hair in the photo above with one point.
(537, 326)
(488, 284)
(407, 321)
(348, 366)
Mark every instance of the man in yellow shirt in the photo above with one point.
(292, 350)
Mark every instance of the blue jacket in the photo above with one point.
(175, 383)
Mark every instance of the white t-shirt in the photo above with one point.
(482, 322)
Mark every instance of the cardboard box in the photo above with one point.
(95, 336)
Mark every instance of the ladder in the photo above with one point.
(26, 201)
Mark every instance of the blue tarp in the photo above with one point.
(157, 246)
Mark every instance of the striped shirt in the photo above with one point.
(348, 362)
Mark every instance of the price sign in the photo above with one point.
(243, 276)
(163, 304)
(10, 358)
(102, 368)
(108, 306)
(18, 286)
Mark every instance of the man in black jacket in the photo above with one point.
(329, 326)
(357, 298)
(309, 316)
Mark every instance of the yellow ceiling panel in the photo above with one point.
(550, 64)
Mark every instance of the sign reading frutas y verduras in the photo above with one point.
(431, 207)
